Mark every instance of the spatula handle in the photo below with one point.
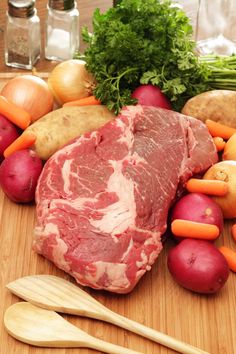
(110, 348)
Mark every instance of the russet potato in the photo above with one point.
(58, 127)
(217, 105)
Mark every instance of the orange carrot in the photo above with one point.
(24, 141)
(192, 229)
(87, 101)
(207, 186)
(230, 257)
(219, 143)
(218, 129)
(233, 231)
(15, 114)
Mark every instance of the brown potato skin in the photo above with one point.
(217, 105)
(58, 127)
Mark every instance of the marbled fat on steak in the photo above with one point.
(102, 201)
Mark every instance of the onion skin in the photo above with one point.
(31, 93)
(225, 171)
(230, 149)
(70, 81)
(197, 207)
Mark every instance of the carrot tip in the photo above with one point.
(233, 231)
(219, 143)
(15, 114)
(87, 101)
(24, 141)
(230, 257)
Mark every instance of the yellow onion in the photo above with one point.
(225, 171)
(70, 81)
(230, 149)
(31, 93)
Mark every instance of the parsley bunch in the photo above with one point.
(140, 42)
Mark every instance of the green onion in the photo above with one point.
(222, 71)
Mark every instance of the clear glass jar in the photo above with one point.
(216, 27)
(62, 30)
(22, 35)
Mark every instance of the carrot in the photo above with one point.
(192, 229)
(233, 231)
(87, 101)
(24, 141)
(207, 186)
(230, 257)
(218, 129)
(219, 143)
(15, 114)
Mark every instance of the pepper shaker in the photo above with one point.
(62, 30)
(22, 36)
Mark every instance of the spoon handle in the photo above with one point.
(151, 334)
(57, 294)
(107, 347)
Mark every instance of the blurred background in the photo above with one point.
(214, 24)
(213, 21)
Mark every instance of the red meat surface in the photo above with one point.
(103, 199)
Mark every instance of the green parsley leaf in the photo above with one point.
(143, 41)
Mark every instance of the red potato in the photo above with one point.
(198, 265)
(198, 207)
(19, 174)
(8, 133)
(150, 95)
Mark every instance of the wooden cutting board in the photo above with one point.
(208, 322)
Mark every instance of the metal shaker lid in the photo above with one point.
(22, 9)
(61, 5)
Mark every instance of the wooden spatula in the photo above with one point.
(54, 293)
(44, 328)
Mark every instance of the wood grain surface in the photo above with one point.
(208, 322)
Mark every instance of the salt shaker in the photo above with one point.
(22, 35)
(62, 30)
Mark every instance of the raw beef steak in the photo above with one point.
(102, 201)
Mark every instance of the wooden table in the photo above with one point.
(208, 322)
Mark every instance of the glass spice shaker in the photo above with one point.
(22, 36)
(62, 30)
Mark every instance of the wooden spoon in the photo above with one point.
(44, 328)
(57, 294)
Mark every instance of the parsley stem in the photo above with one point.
(222, 71)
